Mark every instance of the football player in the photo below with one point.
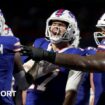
(9, 59)
(8, 45)
(62, 36)
(83, 92)
(99, 78)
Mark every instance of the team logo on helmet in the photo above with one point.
(59, 12)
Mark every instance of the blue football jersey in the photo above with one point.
(8, 45)
(83, 92)
(99, 80)
(50, 89)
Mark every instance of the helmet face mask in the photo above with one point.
(1, 27)
(100, 35)
(70, 32)
(58, 31)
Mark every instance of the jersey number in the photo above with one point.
(42, 87)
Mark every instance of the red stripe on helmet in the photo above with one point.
(59, 12)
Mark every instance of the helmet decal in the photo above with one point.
(59, 12)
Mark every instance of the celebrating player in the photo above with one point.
(62, 36)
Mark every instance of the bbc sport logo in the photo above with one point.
(10, 93)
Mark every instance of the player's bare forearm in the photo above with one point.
(23, 79)
(90, 63)
(17, 63)
(70, 97)
(84, 63)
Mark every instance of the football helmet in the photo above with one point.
(2, 22)
(72, 32)
(7, 31)
(98, 36)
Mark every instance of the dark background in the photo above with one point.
(27, 18)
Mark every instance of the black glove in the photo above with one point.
(38, 54)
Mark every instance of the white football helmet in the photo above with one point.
(72, 32)
(98, 36)
(2, 22)
(7, 31)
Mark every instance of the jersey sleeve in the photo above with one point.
(101, 46)
(38, 42)
(16, 45)
(90, 51)
(74, 80)
(13, 43)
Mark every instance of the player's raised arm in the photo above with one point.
(90, 63)
(95, 63)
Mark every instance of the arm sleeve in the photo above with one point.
(74, 80)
